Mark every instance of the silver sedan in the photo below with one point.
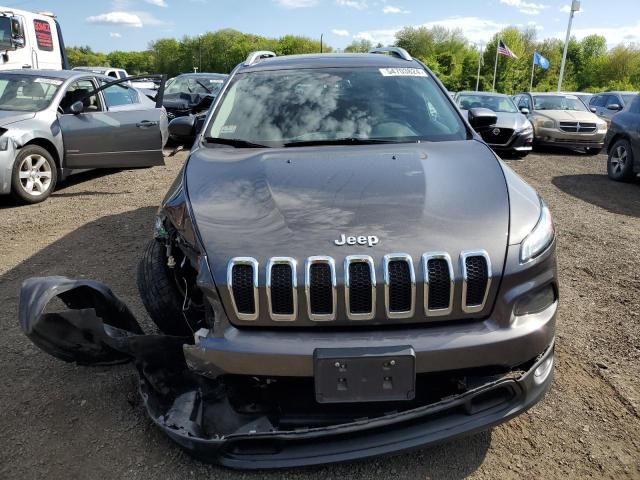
(56, 123)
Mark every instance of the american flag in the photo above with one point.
(504, 50)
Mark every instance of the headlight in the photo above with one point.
(4, 139)
(526, 130)
(545, 123)
(602, 126)
(540, 237)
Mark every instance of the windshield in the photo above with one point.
(27, 93)
(497, 103)
(195, 84)
(289, 107)
(558, 102)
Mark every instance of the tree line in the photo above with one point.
(590, 65)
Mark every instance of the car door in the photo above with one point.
(610, 100)
(119, 127)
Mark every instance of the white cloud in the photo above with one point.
(340, 32)
(615, 35)
(157, 3)
(117, 18)
(392, 9)
(527, 8)
(115, 35)
(474, 29)
(357, 4)
(297, 3)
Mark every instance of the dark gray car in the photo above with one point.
(607, 104)
(53, 123)
(512, 132)
(342, 269)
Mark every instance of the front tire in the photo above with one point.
(620, 162)
(34, 175)
(159, 292)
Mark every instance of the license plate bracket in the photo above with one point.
(379, 374)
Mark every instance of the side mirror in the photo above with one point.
(77, 108)
(593, 109)
(482, 118)
(614, 106)
(182, 126)
(524, 110)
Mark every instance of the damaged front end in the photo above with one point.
(265, 422)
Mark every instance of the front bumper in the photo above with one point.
(519, 142)
(559, 138)
(207, 416)
(7, 159)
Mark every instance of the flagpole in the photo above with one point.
(479, 64)
(495, 68)
(533, 66)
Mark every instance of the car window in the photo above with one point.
(121, 74)
(314, 105)
(117, 95)
(76, 92)
(626, 98)
(199, 84)
(596, 101)
(558, 102)
(635, 105)
(612, 100)
(524, 102)
(497, 103)
(27, 93)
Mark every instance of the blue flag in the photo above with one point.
(540, 60)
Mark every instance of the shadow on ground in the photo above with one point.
(64, 421)
(599, 190)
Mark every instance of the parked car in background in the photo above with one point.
(512, 132)
(563, 120)
(140, 83)
(53, 123)
(608, 104)
(341, 270)
(623, 142)
(191, 94)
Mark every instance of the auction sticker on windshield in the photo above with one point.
(403, 72)
(48, 81)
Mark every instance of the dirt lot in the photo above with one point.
(64, 421)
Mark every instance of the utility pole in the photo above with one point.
(575, 7)
(479, 65)
(321, 35)
(200, 51)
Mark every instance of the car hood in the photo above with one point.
(294, 202)
(514, 121)
(567, 115)
(9, 117)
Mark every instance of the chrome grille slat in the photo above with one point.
(348, 262)
(466, 287)
(391, 284)
(318, 315)
(277, 295)
(253, 264)
(430, 283)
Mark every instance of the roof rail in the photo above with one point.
(255, 57)
(395, 51)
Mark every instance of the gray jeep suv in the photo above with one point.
(342, 269)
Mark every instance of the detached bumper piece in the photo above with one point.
(261, 423)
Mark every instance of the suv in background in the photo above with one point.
(623, 143)
(609, 103)
(563, 121)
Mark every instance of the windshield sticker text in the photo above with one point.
(403, 72)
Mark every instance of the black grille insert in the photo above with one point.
(399, 286)
(242, 287)
(477, 279)
(320, 289)
(281, 289)
(439, 284)
(497, 136)
(360, 294)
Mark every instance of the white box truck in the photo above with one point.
(30, 40)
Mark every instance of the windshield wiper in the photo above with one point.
(234, 142)
(340, 141)
(203, 86)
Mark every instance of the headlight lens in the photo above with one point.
(526, 129)
(540, 237)
(545, 123)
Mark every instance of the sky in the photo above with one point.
(107, 25)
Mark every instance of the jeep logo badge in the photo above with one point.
(369, 240)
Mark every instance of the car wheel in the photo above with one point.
(593, 151)
(620, 163)
(160, 294)
(34, 175)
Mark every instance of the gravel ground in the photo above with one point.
(65, 421)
